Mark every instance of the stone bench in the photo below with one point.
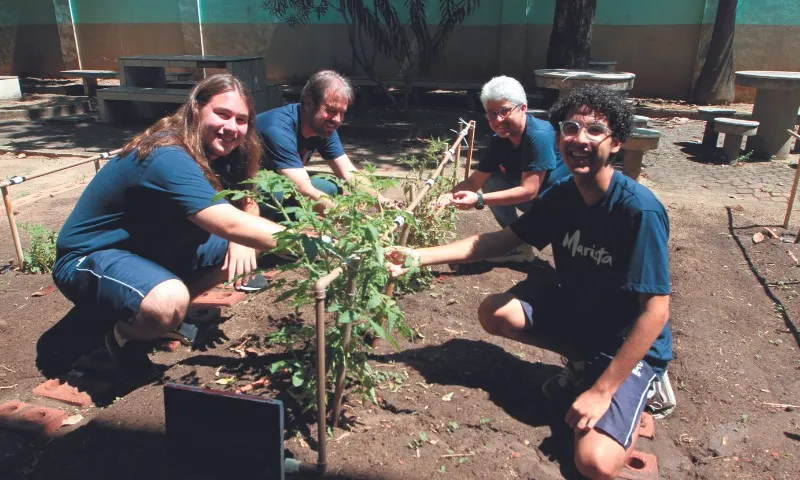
(640, 121)
(178, 76)
(89, 78)
(111, 99)
(734, 129)
(538, 113)
(639, 141)
(708, 114)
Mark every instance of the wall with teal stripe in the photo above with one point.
(490, 13)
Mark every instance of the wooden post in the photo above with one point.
(468, 166)
(793, 192)
(96, 165)
(13, 223)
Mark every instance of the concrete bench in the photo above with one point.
(639, 141)
(708, 114)
(110, 99)
(89, 78)
(734, 129)
(640, 121)
(178, 76)
(538, 113)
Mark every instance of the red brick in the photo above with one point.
(647, 428)
(25, 417)
(218, 298)
(166, 345)
(640, 466)
(203, 315)
(63, 392)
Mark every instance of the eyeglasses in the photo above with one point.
(595, 132)
(502, 114)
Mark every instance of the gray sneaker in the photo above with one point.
(661, 397)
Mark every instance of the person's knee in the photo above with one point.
(325, 186)
(595, 463)
(493, 314)
(165, 306)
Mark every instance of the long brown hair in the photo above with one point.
(181, 129)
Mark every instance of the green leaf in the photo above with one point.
(298, 378)
(374, 301)
(346, 317)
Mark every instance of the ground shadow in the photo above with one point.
(101, 450)
(513, 384)
(698, 153)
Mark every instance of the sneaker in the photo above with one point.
(661, 397)
(564, 385)
(521, 254)
(255, 283)
(185, 334)
(131, 361)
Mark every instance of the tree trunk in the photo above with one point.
(715, 83)
(571, 38)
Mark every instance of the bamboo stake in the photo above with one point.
(348, 332)
(468, 166)
(13, 224)
(792, 195)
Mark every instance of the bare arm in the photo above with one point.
(299, 176)
(343, 168)
(592, 404)
(527, 191)
(234, 225)
(470, 249)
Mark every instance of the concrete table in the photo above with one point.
(775, 108)
(602, 65)
(89, 78)
(565, 80)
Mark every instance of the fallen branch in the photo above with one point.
(10, 370)
(781, 405)
(794, 258)
(10, 386)
(450, 455)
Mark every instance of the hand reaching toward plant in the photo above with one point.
(464, 200)
(400, 260)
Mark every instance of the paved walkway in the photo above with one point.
(682, 165)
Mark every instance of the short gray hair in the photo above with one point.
(503, 88)
(323, 82)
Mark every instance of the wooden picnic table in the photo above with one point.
(775, 108)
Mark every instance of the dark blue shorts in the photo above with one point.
(547, 312)
(113, 283)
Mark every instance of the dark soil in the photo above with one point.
(736, 354)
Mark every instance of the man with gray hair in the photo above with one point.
(521, 161)
(292, 133)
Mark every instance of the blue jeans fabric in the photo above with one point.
(504, 214)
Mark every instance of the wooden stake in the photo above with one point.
(792, 194)
(468, 166)
(13, 223)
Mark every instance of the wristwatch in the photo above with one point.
(479, 204)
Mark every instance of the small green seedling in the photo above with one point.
(452, 427)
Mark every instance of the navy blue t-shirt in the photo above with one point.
(284, 144)
(537, 152)
(605, 256)
(141, 206)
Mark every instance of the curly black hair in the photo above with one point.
(600, 101)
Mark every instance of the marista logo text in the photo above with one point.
(573, 242)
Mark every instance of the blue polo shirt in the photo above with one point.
(536, 152)
(140, 206)
(605, 256)
(285, 146)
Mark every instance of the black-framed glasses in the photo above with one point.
(503, 113)
(595, 132)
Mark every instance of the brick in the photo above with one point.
(203, 315)
(166, 345)
(217, 298)
(647, 427)
(640, 466)
(25, 417)
(63, 392)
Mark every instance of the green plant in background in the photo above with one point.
(41, 255)
(428, 227)
(355, 227)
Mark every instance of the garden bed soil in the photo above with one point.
(469, 393)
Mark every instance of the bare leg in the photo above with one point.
(502, 315)
(598, 456)
(161, 311)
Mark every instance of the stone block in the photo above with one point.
(9, 88)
